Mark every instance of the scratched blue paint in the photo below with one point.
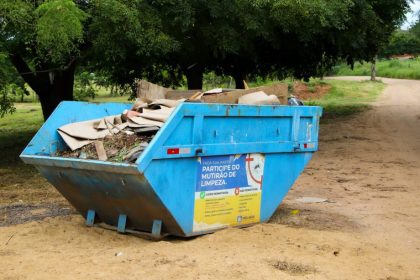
(161, 186)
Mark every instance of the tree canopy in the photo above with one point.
(402, 42)
(162, 40)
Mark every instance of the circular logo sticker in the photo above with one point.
(237, 191)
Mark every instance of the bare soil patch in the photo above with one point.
(303, 92)
(316, 219)
(22, 213)
(293, 268)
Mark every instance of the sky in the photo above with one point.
(412, 16)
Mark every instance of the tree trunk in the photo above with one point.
(195, 78)
(239, 80)
(61, 89)
(373, 70)
(52, 87)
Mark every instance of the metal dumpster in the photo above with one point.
(210, 166)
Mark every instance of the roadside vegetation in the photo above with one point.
(346, 98)
(393, 68)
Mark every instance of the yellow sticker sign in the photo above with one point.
(228, 191)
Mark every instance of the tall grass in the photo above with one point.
(399, 69)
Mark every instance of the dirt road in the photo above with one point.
(368, 169)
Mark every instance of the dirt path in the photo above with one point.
(367, 168)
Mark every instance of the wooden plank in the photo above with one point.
(100, 150)
(279, 90)
(179, 94)
(150, 91)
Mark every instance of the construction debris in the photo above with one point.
(100, 150)
(146, 90)
(117, 148)
(259, 98)
(124, 137)
(119, 138)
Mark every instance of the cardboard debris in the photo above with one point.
(73, 142)
(136, 122)
(101, 124)
(157, 115)
(79, 134)
(147, 129)
(86, 130)
(258, 98)
(140, 103)
(166, 102)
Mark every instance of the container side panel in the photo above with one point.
(47, 141)
(246, 129)
(280, 172)
(182, 135)
(216, 129)
(306, 131)
(110, 195)
(174, 182)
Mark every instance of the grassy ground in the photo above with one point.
(347, 97)
(400, 69)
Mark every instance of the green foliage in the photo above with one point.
(127, 39)
(59, 29)
(10, 85)
(402, 42)
(6, 103)
(84, 86)
(415, 29)
(165, 40)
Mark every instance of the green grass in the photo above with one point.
(348, 97)
(399, 69)
(17, 129)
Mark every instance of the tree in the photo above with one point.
(415, 29)
(47, 40)
(162, 40)
(274, 37)
(402, 42)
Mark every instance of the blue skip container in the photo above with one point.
(209, 167)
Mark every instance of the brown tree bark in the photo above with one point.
(239, 80)
(373, 70)
(194, 77)
(52, 86)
